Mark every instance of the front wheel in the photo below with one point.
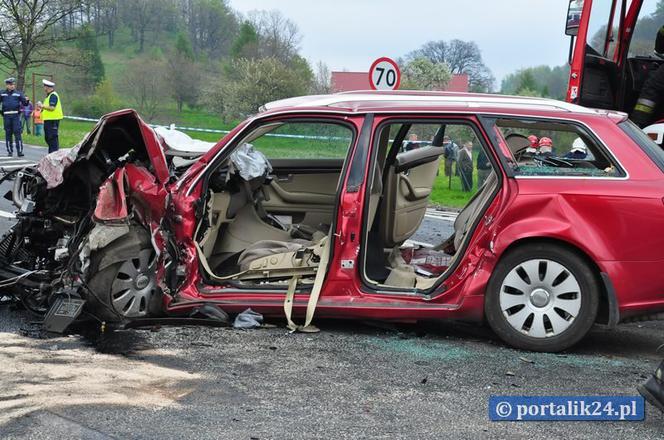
(542, 297)
(123, 283)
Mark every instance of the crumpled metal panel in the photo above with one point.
(53, 165)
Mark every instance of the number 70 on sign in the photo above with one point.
(384, 74)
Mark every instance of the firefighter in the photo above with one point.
(579, 150)
(652, 93)
(545, 147)
(51, 115)
(11, 100)
(534, 144)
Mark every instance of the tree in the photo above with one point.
(183, 73)
(90, 64)
(248, 84)
(550, 82)
(461, 57)
(278, 37)
(246, 43)
(144, 85)
(211, 24)
(27, 32)
(423, 74)
(144, 16)
(321, 84)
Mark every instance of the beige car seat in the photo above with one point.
(466, 218)
(408, 185)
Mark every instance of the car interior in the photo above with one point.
(573, 151)
(270, 205)
(267, 220)
(404, 176)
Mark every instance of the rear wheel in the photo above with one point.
(542, 297)
(123, 281)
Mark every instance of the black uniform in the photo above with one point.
(652, 95)
(11, 101)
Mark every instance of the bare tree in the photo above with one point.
(278, 37)
(461, 57)
(321, 84)
(145, 86)
(28, 37)
(212, 25)
(107, 19)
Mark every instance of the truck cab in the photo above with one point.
(608, 67)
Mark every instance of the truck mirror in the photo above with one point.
(573, 17)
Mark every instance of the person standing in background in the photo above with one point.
(465, 166)
(451, 151)
(12, 100)
(413, 142)
(483, 168)
(37, 119)
(51, 115)
(26, 113)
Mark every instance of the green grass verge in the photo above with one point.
(447, 191)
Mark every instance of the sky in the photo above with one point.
(350, 34)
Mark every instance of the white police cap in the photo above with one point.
(48, 83)
(10, 80)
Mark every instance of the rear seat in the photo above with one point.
(464, 220)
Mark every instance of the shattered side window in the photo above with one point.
(305, 140)
(553, 148)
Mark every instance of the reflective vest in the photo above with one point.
(51, 115)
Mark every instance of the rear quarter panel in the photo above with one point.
(617, 222)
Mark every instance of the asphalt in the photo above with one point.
(351, 380)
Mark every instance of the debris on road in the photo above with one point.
(248, 320)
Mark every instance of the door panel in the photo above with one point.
(304, 190)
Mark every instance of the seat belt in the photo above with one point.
(313, 296)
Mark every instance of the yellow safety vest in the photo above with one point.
(55, 114)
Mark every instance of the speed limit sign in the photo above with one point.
(384, 74)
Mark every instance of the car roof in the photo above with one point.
(368, 101)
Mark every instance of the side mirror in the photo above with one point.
(573, 17)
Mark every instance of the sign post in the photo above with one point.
(384, 74)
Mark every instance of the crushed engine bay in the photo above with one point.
(69, 206)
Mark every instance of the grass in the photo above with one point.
(71, 133)
(447, 192)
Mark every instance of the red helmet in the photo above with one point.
(534, 142)
(545, 142)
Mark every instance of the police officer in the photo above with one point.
(51, 115)
(652, 94)
(11, 100)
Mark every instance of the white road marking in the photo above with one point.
(5, 214)
(13, 167)
(441, 215)
(14, 161)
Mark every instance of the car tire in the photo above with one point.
(542, 297)
(122, 279)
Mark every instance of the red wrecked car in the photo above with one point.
(312, 208)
